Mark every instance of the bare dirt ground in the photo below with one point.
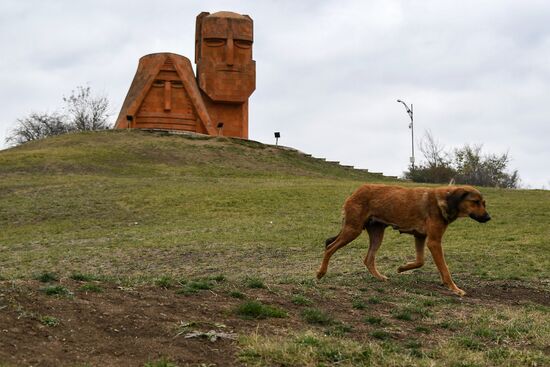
(132, 326)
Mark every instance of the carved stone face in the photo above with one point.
(225, 69)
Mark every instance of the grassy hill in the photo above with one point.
(197, 216)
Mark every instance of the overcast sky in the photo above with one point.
(328, 72)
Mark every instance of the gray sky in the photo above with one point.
(328, 72)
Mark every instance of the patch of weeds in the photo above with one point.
(257, 310)
(300, 300)
(373, 320)
(237, 294)
(452, 325)
(56, 290)
(307, 283)
(315, 316)
(47, 277)
(404, 315)
(164, 282)
(358, 304)
(498, 354)
(469, 343)
(308, 340)
(429, 303)
(218, 278)
(195, 286)
(49, 321)
(410, 313)
(423, 329)
(465, 364)
(304, 350)
(333, 355)
(163, 362)
(339, 330)
(374, 300)
(79, 277)
(255, 283)
(380, 334)
(486, 333)
(413, 344)
(90, 287)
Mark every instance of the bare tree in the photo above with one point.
(83, 111)
(87, 111)
(37, 126)
(437, 165)
(433, 151)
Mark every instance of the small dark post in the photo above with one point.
(130, 118)
(277, 136)
(220, 128)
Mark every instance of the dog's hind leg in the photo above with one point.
(420, 243)
(376, 235)
(348, 234)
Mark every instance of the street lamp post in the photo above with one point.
(411, 126)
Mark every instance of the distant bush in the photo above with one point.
(465, 165)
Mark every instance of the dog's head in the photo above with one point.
(463, 201)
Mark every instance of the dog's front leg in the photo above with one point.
(434, 244)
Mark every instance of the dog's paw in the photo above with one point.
(382, 277)
(459, 292)
(320, 274)
(401, 269)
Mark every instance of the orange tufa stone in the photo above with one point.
(165, 94)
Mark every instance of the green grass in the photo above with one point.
(163, 362)
(301, 300)
(90, 287)
(141, 208)
(49, 321)
(194, 286)
(253, 282)
(237, 294)
(56, 290)
(47, 277)
(164, 282)
(373, 320)
(79, 277)
(358, 304)
(316, 317)
(258, 310)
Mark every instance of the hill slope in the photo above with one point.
(181, 234)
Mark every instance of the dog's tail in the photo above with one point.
(331, 240)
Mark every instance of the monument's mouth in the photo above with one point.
(231, 70)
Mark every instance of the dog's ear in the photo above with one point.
(449, 205)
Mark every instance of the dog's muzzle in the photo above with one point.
(481, 219)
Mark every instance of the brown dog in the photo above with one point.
(423, 212)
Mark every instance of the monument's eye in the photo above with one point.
(214, 42)
(243, 43)
(158, 83)
(177, 84)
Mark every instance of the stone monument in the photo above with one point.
(165, 95)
